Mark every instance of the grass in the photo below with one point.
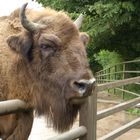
(133, 111)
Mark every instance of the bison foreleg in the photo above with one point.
(23, 128)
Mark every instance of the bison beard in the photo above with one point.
(60, 113)
(54, 106)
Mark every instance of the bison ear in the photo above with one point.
(84, 38)
(20, 44)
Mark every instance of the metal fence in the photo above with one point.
(88, 113)
(121, 71)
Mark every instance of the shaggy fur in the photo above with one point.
(41, 76)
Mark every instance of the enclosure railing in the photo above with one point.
(88, 113)
(121, 71)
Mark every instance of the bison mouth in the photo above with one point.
(77, 101)
(81, 89)
(62, 109)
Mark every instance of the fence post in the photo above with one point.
(115, 76)
(123, 77)
(100, 77)
(88, 116)
(109, 76)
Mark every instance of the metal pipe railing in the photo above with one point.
(118, 83)
(117, 108)
(126, 62)
(11, 106)
(72, 134)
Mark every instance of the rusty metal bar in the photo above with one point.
(11, 106)
(72, 134)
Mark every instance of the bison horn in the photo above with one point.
(78, 21)
(30, 26)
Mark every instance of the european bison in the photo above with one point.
(43, 61)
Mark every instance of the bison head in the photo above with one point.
(54, 50)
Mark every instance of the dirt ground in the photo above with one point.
(104, 126)
(112, 122)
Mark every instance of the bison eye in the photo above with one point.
(46, 47)
(47, 50)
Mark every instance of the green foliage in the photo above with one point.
(112, 25)
(107, 58)
(134, 111)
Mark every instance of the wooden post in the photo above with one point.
(108, 76)
(115, 77)
(98, 80)
(123, 77)
(101, 77)
(88, 116)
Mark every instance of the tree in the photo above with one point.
(104, 58)
(112, 24)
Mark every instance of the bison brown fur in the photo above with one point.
(46, 66)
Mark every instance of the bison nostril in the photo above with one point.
(83, 86)
(80, 85)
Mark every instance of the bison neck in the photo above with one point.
(20, 81)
